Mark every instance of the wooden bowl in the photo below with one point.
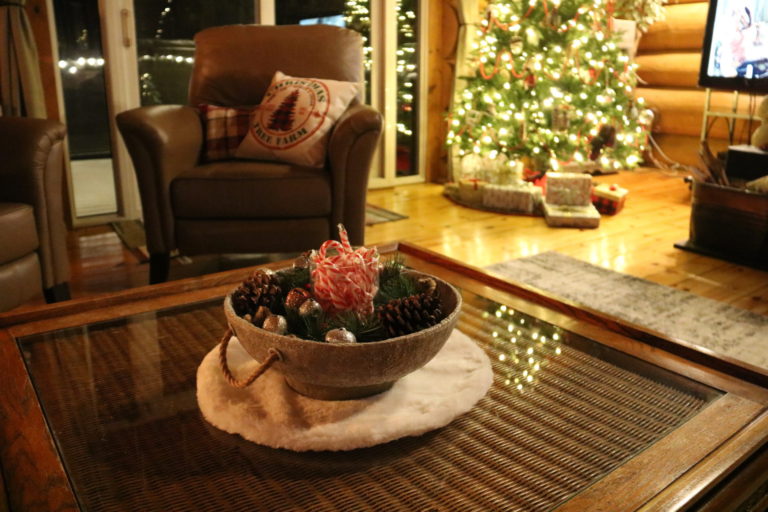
(344, 371)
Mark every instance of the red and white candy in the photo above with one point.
(345, 279)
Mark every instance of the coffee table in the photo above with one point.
(98, 412)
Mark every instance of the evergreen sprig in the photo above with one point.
(394, 283)
(294, 277)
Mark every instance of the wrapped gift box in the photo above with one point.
(587, 167)
(609, 199)
(569, 189)
(521, 197)
(571, 216)
(471, 191)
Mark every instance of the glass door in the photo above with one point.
(83, 80)
(164, 41)
(114, 55)
(395, 79)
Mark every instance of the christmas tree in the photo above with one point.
(549, 87)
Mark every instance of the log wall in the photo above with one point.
(669, 56)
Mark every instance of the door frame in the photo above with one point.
(116, 18)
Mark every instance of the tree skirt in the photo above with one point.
(270, 413)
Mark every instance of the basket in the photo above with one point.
(344, 371)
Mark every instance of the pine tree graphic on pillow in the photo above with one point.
(282, 117)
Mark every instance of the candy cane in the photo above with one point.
(347, 280)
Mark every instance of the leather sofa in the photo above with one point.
(33, 250)
(250, 206)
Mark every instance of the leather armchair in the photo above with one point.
(247, 206)
(33, 247)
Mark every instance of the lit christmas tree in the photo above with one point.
(550, 87)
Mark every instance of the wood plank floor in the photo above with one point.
(638, 241)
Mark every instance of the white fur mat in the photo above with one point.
(272, 414)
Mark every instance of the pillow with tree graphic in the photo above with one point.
(294, 119)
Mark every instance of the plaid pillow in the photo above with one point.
(224, 129)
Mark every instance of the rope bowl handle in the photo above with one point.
(274, 355)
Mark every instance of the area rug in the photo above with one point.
(377, 215)
(707, 323)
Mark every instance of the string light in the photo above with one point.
(546, 93)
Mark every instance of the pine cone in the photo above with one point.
(259, 289)
(410, 314)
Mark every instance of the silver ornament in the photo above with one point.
(303, 260)
(340, 336)
(310, 308)
(276, 324)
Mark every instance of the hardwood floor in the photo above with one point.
(638, 241)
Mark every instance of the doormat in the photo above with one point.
(707, 323)
(377, 215)
(131, 233)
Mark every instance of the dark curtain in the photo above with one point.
(21, 89)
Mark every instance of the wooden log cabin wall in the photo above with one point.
(669, 56)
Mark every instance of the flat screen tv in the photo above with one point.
(735, 52)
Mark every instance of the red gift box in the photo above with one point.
(609, 199)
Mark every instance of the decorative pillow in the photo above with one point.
(224, 129)
(294, 119)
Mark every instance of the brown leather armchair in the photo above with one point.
(247, 206)
(33, 246)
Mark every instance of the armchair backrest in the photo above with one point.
(234, 64)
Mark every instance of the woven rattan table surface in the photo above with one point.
(562, 413)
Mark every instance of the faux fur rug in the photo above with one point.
(707, 323)
(272, 414)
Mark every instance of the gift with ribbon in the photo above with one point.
(609, 199)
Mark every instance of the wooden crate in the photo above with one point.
(729, 223)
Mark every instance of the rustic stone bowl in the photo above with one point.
(345, 371)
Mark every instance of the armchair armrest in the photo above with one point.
(32, 172)
(163, 140)
(350, 152)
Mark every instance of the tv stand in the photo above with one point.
(731, 115)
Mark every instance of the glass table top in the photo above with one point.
(564, 411)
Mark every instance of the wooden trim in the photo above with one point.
(30, 462)
(688, 351)
(230, 277)
(709, 472)
(670, 458)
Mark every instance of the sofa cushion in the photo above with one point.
(20, 281)
(18, 231)
(293, 121)
(251, 190)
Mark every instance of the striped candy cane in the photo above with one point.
(345, 279)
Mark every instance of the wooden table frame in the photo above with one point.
(727, 463)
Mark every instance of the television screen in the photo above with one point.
(337, 20)
(735, 51)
